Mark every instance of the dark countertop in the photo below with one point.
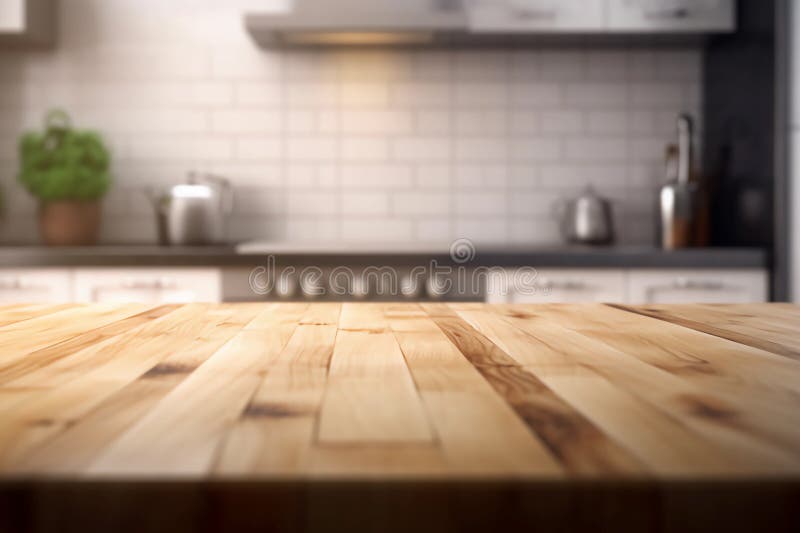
(226, 255)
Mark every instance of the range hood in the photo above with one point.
(360, 22)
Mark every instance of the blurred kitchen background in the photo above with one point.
(542, 131)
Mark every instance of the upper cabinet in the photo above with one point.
(671, 15)
(601, 16)
(539, 16)
(27, 22)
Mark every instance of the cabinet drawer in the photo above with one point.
(538, 16)
(559, 285)
(672, 15)
(37, 285)
(148, 285)
(692, 286)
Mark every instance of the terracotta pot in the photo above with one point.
(69, 222)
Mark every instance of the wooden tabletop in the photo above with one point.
(396, 391)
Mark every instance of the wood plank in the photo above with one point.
(275, 433)
(13, 371)
(763, 326)
(382, 392)
(72, 450)
(734, 430)
(578, 445)
(370, 397)
(72, 391)
(19, 339)
(667, 446)
(181, 434)
(459, 400)
(9, 314)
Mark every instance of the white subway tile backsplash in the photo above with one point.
(571, 177)
(360, 95)
(487, 94)
(541, 148)
(595, 149)
(245, 63)
(311, 94)
(562, 65)
(433, 176)
(377, 230)
(376, 122)
(311, 203)
(395, 145)
(312, 148)
(657, 95)
(301, 121)
(535, 94)
(365, 203)
(299, 176)
(481, 66)
(607, 122)
(373, 65)
(177, 148)
(245, 121)
(259, 148)
(481, 204)
(420, 94)
(259, 93)
(430, 122)
(481, 149)
(422, 148)
(561, 121)
(602, 95)
(491, 231)
(481, 122)
(314, 229)
(364, 149)
(524, 122)
(420, 203)
(259, 201)
(435, 230)
(375, 176)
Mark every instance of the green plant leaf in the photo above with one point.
(63, 163)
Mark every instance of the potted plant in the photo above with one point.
(68, 171)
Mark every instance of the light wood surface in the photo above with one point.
(397, 391)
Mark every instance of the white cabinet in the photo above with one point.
(606, 16)
(35, 285)
(634, 286)
(693, 286)
(539, 16)
(12, 16)
(558, 285)
(671, 15)
(147, 285)
(26, 22)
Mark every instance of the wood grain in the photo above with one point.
(771, 327)
(397, 391)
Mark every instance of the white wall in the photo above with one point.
(348, 146)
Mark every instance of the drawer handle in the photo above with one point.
(568, 285)
(677, 13)
(697, 285)
(16, 284)
(163, 283)
(534, 14)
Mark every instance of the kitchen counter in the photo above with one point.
(301, 411)
(256, 253)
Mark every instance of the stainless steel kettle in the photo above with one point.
(587, 219)
(195, 212)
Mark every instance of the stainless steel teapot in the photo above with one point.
(587, 219)
(195, 212)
